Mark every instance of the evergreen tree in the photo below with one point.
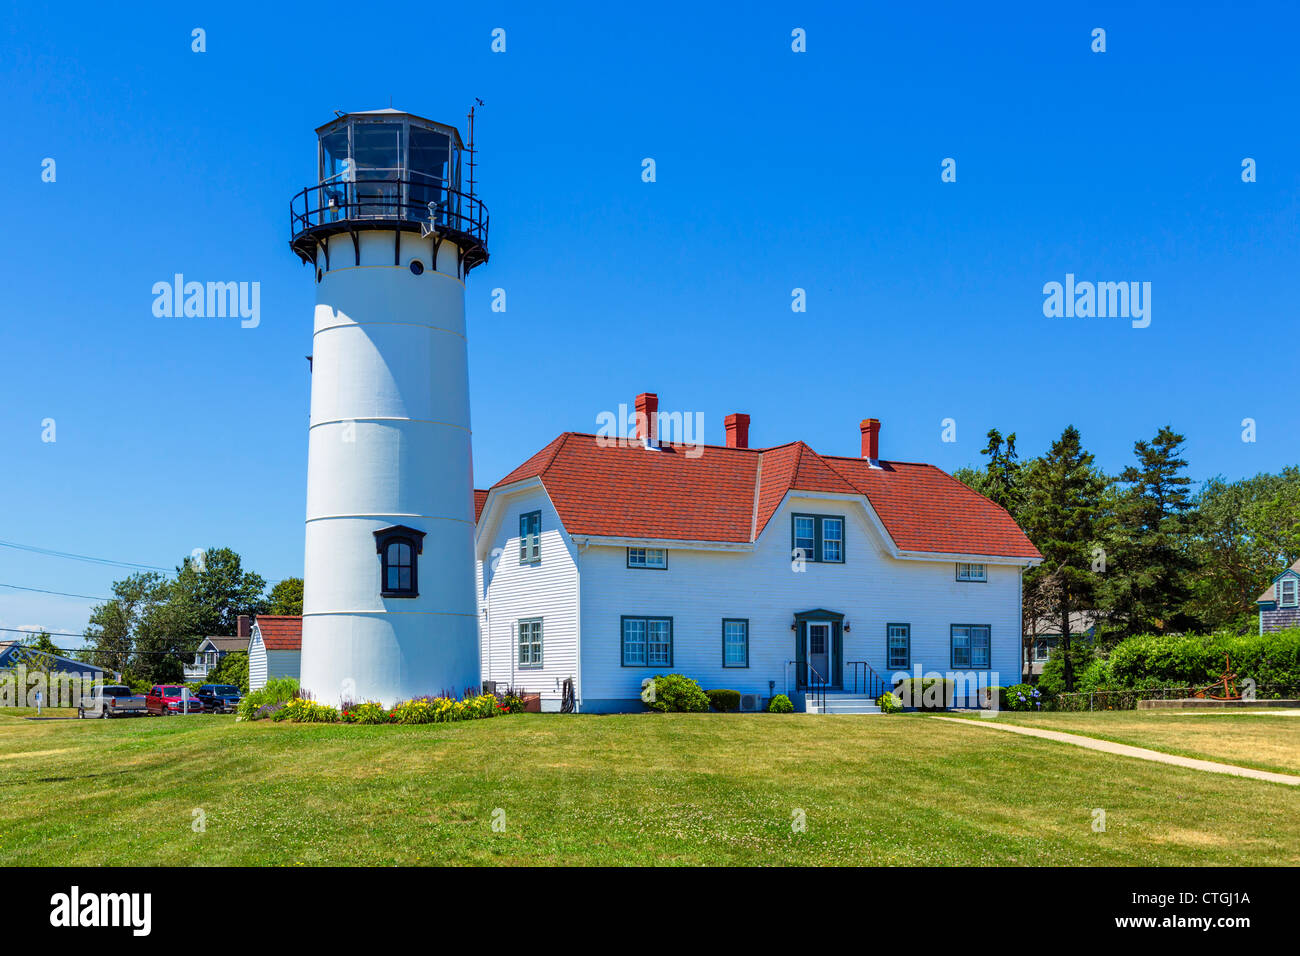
(1062, 514)
(1147, 581)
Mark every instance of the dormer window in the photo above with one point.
(818, 537)
(399, 550)
(1288, 592)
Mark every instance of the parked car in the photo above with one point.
(219, 698)
(166, 699)
(112, 700)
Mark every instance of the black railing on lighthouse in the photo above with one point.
(407, 202)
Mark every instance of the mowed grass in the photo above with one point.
(1252, 739)
(636, 789)
(31, 712)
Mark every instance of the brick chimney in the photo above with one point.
(737, 430)
(245, 628)
(647, 419)
(870, 438)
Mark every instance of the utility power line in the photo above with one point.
(88, 597)
(80, 557)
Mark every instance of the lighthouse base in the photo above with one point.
(388, 658)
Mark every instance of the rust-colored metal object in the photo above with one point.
(1222, 683)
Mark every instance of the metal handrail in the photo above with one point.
(817, 688)
(400, 199)
(873, 685)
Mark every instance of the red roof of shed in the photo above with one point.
(281, 632)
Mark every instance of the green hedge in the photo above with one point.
(724, 701)
(925, 693)
(780, 704)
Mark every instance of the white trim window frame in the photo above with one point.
(530, 642)
(1288, 592)
(648, 558)
(972, 572)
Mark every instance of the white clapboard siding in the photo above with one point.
(256, 661)
(514, 591)
(871, 590)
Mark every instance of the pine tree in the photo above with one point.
(1147, 581)
(1062, 514)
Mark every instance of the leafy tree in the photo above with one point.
(114, 625)
(1001, 478)
(1062, 515)
(1245, 532)
(1149, 558)
(216, 589)
(286, 597)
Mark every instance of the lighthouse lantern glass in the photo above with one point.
(387, 169)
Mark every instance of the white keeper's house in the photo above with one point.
(600, 563)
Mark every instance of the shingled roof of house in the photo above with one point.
(280, 632)
(1270, 592)
(729, 494)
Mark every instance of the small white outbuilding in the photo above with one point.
(274, 649)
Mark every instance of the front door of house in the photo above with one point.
(819, 652)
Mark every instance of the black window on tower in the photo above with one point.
(399, 550)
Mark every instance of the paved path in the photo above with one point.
(1124, 750)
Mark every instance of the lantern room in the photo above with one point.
(391, 169)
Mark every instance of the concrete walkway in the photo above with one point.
(1124, 750)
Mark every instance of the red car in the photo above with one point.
(166, 699)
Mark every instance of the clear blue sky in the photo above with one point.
(775, 170)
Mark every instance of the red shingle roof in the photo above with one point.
(730, 494)
(281, 632)
(480, 499)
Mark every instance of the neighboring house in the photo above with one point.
(1045, 635)
(13, 653)
(212, 649)
(1279, 606)
(274, 648)
(604, 562)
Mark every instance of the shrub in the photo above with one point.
(925, 693)
(276, 691)
(889, 703)
(780, 704)
(677, 693)
(438, 710)
(1021, 697)
(724, 700)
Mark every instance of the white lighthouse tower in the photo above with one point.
(388, 600)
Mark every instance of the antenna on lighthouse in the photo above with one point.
(478, 102)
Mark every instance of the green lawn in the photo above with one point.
(1246, 739)
(31, 712)
(636, 789)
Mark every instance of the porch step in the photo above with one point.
(844, 704)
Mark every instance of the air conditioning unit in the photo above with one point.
(490, 687)
(750, 703)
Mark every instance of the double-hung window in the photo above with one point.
(972, 572)
(818, 537)
(735, 642)
(898, 646)
(530, 537)
(647, 642)
(1288, 592)
(971, 645)
(647, 558)
(530, 642)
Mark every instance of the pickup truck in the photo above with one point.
(219, 698)
(111, 700)
(164, 699)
